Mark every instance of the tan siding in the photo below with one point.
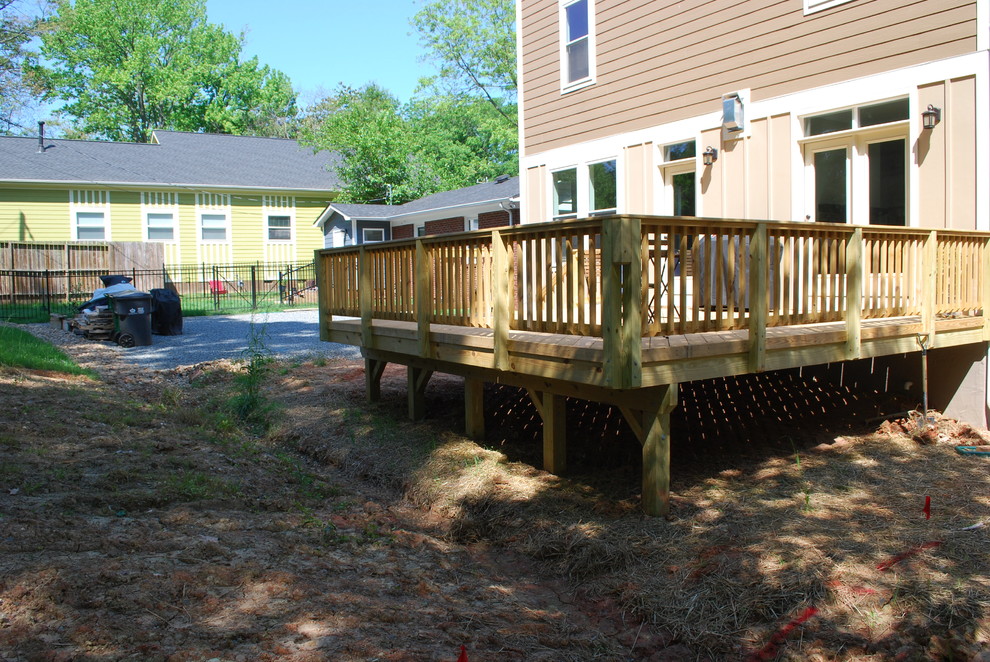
(960, 127)
(733, 159)
(757, 167)
(930, 157)
(639, 179)
(662, 61)
(711, 178)
(779, 173)
(535, 205)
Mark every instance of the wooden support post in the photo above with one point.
(553, 411)
(929, 258)
(621, 305)
(417, 379)
(474, 408)
(424, 299)
(986, 290)
(324, 294)
(373, 369)
(656, 454)
(365, 297)
(854, 294)
(502, 312)
(759, 300)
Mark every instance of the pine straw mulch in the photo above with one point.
(785, 503)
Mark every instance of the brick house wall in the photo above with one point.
(493, 219)
(406, 231)
(445, 225)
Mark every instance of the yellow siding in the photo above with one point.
(34, 215)
(126, 223)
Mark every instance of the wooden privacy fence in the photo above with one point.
(631, 277)
(81, 256)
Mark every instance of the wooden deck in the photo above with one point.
(622, 309)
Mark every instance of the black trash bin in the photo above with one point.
(132, 315)
(166, 312)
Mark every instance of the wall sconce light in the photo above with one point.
(709, 156)
(931, 117)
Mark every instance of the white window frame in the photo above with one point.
(226, 226)
(587, 175)
(576, 213)
(89, 201)
(213, 204)
(566, 85)
(813, 6)
(160, 202)
(278, 205)
(268, 227)
(364, 235)
(174, 225)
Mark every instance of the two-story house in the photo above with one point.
(849, 111)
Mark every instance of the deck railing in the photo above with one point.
(623, 277)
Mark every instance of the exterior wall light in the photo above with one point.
(709, 156)
(931, 117)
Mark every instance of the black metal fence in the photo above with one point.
(32, 296)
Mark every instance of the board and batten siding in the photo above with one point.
(662, 61)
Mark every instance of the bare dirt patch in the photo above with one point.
(141, 520)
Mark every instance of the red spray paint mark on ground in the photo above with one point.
(463, 656)
(889, 563)
(928, 507)
(769, 651)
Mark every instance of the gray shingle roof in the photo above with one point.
(494, 191)
(185, 159)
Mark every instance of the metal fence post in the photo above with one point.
(48, 291)
(254, 286)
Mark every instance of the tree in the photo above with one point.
(473, 43)
(126, 67)
(16, 89)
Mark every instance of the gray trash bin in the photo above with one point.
(132, 315)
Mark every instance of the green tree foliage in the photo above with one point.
(473, 43)
(17, 27)
(126, 67)
(392, 153)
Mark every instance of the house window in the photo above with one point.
(161, 226)
(279, 228)
(577, 44)
(857, 164)
(91, 226)
(421, 231)
(372, 235)
(213, 227)
(678, 173)
(564, 194)
(472, 224)
(601, 183)
(812, 6)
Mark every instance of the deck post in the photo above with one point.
(424, 298)
(474, 408)
(854, 294)
(553, 410)
(373, 369)
(986, 290)
(929, 259)
(621, 301)
(324, 294)
(656, 453)
(759, 301)
(501, 306)
(364, 297)
(417, 379)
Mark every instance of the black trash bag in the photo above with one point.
(166, 312)
(115, 279)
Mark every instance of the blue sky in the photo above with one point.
(320, 43)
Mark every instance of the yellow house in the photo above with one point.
(208, 198)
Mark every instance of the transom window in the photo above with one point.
(577, 44)
(856, 118)
(279, 228)
(678, 151)
(161, 226)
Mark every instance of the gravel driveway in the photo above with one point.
(292, 334)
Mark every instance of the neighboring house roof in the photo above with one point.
(176, 159)
(502, 188)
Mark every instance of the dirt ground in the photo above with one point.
(142, 519)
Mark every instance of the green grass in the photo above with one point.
(19, 349)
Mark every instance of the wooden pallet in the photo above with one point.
(93, 327)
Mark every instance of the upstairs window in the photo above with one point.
(577, 45)
(812, 6)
